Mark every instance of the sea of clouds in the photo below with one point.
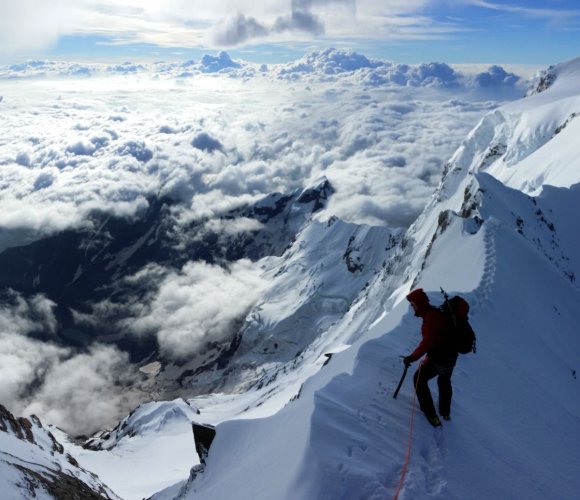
(214, 135)
(229, 131)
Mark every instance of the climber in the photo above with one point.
(439, 362)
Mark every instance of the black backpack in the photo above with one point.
(455, 310)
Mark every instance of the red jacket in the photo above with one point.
(434, 342)
(432, 331)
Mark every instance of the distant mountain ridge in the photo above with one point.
(77, 269)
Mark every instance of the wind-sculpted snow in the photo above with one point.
(530, 140)
(564, 73)
(150, 449)
(146, 419)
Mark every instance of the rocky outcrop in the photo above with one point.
(545, 81)
(53, 471)
(204, 436)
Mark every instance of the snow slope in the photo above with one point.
(149, 450)
(33, 464)
(516, 405)
(540, 134)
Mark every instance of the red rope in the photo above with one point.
(410, 440)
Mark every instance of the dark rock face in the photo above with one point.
(204, 436)
(60, 486)
(545, 81)
(56, 481)
(20, 427)
(319, 195)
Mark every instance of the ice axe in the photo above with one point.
(401, 381)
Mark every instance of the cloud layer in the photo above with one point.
(34, 25)
(201, 303)
(71, 146)
(80, 392)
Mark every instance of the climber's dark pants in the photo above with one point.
(426, 372)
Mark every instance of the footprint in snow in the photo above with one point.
(432, 468)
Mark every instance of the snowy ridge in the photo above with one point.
(34, 464)
(282, 344)
(312, 285)
(148, 418)
(182, 157)
(515, 403)
(151, 449)
(523, 146)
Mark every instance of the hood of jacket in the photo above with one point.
(419, 299)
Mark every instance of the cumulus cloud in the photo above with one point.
(436, 75)
(44, 179)
(199, 304)
(87, 392)
(299, 20)
(137, 149)
(213, 64)
(80, 392)
(237, 29)
(330, 62)
(22, 315)
(24, 363)
(230, 227)
(374, 72)
(206, 142)
(305, 17)
(496, 76)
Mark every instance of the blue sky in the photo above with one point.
(537, 32)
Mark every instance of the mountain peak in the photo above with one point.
(319, 193)
(563, 71)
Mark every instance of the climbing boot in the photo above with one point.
(434, 421)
